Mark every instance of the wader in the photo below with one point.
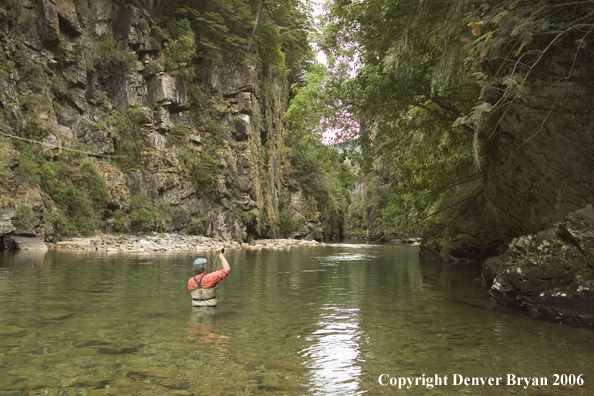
(203, 297)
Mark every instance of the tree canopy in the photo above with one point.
(424, 85)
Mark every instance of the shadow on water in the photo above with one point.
(462, 282)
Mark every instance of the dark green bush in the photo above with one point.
(106, 59)
(142, 213)
(196, 226)
(287, 223)
(75, 186)
(26, 216)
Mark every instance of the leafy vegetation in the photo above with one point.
(6, 65)
(245, 217)
(287, 223)
(323, 171)
(26, 217)
(3, 164)
(105, 57)
(409, 99)
(75, 186)
(144, 215)
(14, 15)
(221, 25)
(423, 86)
(196, 226)
(180, 47)
(202, 168)
(129, 139)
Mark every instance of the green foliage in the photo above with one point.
(75, 187)
(3, 164)
(118, 221)
(33, 81)
(106, 59)
(32, 72)
(35, 103)
(26, 216)
(167, 214)
(322, 170)
(6, 65)
(399, 80)
(196, 94)
(245, 216)
(196, 226)
(94, 184)
(177, 134)
(180, 47)
(272, 53)
(15, 16)
(282, 36)
(129, 138)
(202, 168)
(34, 130)
(287, 223)
(143, 213)
(510, 43)
(221, 26)
(59, 86)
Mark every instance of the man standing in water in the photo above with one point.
(202, 286)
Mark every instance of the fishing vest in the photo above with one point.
(203, 297)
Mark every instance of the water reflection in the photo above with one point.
(334, 356)
(203, 333)
(320, 321)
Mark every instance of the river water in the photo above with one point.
(329, 320)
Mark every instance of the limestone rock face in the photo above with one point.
(117, 187)
(49, 26)
(539, 168)
(97, 79)
(28, 243)
(539, 185)
(69, 20)
(167, 90)
(309, 227)
(6, 225)
(549, 273)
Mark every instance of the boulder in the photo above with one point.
(550, 273)
(6, 226)
(28, 243)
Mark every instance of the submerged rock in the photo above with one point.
(551, 274)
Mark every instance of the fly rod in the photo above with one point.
(216, 248)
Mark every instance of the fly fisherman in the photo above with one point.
(202, 286)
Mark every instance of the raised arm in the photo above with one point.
(223, 259)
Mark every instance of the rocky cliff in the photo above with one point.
(102, 131)
(551, 273)
(540, 183)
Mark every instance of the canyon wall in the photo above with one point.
(89, 83)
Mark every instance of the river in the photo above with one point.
(340, 319)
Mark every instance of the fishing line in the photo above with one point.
(216, 247)
(51, 146)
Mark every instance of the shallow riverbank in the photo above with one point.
(170, 243)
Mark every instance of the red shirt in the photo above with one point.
(209, 280)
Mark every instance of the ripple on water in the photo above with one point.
(323, 321)
(333, 356)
